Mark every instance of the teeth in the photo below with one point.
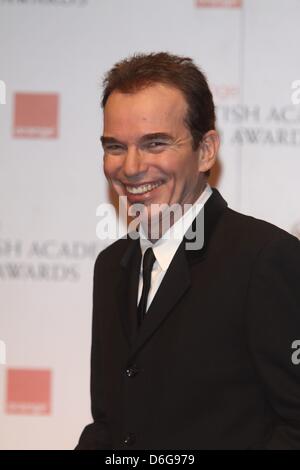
(142, 189)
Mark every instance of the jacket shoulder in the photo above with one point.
(113, 253)
(254, 231)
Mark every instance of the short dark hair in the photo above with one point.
(142, 70)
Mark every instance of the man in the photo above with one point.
(192, 346)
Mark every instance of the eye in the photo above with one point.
(113, 148)
(156, 145)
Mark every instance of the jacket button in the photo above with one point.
(132, 371)
(129, 440)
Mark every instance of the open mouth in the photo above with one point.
(143, 188)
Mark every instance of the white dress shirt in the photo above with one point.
(165, 248)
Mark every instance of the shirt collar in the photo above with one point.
(165, 248)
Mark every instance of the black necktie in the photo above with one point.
(148, 262)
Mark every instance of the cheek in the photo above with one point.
(185, 177)
(169, 165)
(110, 167)
(179, 170)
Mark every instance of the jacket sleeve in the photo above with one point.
(273, 327)
(96, 436)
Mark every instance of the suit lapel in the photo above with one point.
(127, 289)
(173, 287)
(206, 223)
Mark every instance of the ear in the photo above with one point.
(208, 150)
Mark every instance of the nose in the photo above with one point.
(134, 163)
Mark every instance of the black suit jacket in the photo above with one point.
(211, 367)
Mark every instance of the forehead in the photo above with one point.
(156, 108)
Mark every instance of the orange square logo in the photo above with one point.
(219, 3)
(36, 115)
(28, 391)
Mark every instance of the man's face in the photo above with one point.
(148, 154)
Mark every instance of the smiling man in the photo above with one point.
(151, 158)
(191, 345)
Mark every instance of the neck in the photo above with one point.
(156, 225)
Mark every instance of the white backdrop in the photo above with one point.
(51, 169)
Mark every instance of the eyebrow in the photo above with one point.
(156, 135)
(108, 140)
(145, 138)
